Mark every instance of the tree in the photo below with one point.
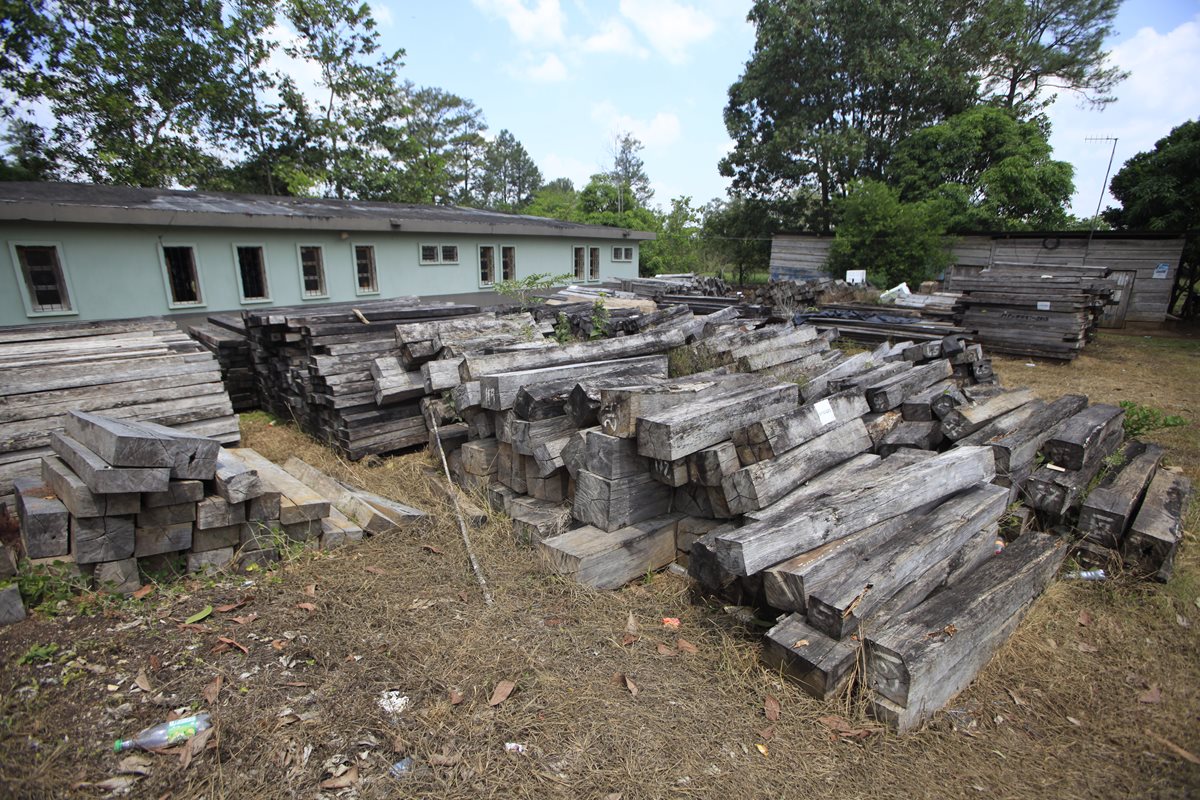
(445, 134)
(1159, 190)
(26, 158)
(739, 231)
(628, 172)
(1048, 45)
(892, 240)
(556, 200)
(600, 203)
(988, 170)
(833, 85)
(510, 177)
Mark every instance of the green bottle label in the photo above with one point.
(180, 729)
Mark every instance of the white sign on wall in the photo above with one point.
(856, 277)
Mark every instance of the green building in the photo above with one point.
(84, 252)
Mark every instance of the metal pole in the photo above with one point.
(1103, 188)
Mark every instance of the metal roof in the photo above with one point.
(123, 205)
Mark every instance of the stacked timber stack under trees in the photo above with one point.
(225, 337)
(136, 369)
(1051, 313)
(121, 499)
(313, 367)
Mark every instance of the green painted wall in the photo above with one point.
(116, 271)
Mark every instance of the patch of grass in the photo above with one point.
(38, 654)
(44, 587)
(1141, 419)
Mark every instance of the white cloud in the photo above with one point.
(613, 37)
(382, 14)
(550, 70)
(539, 23)
(556, 166)
(1160, 93)
(670, 27)
(661, 130)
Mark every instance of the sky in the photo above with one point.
(564, 76)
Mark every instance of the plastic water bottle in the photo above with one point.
(1088, 575)
(166, 734)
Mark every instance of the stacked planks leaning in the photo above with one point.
(136, 369)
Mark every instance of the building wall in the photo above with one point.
(116, 271)
(796, 258)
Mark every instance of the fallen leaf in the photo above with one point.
(501, 692)
(629, 639)
(1084, 618)
(842, 728)
(143, 681)
(311, 590)
(246, 620)
(771, 708)
(686, 647)
(1151, 695)
(631, 625)
(213, 689)
(456, 697)
(1174, 748)
(233, 643)
(630, 685)
(1075, 722)
(663, 650)
(1084, 647)
(762, 748)
(155, 663)
(116, 784)
(193, 628)
(1016, 700)
(343, 781)
(142, 592)
(767, 732)
(278, 644)
(374, 570)
(800, 643)
(421, 603)
(445, 760)
(553, 622)
(136, 764)
(199, 615)
(194, 747)
(309, 607)
(437, 551)
(671, 622)
(230, 607)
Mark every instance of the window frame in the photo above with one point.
(622, 258)
(579, 265)
(479, 248)
(26, 295)
(593, 263)
(237, 273)
(440, 261)
(513, 249)
(196, 269)
(300, 246)
(358, 290)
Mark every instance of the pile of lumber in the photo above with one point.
(678, 283)
(872, 324)
(1051, 313)
(313, 365)
(121, 498)
(789, 296)
(137, 369)
(225, 337)
(935, 305)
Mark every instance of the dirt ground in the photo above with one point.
(1095, 696)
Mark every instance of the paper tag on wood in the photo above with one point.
(825, 412)
(1043, 305)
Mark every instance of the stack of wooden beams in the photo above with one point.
(225, 337)
(121, 498)
(313, 366)
(1048, 314)
(874, 323)
(138, 369)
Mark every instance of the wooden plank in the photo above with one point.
(97, 539)
(708, 467)
(651, 342)
(1015, 451)
(102, 478)
(1154, 537)
(234, 480)
(822, 666)
(499, 391)
(1058, 492)
(178, 492)
(761, 544)
(919, 662)
(1070, 443)
(966, 419)
(297, 503)
(681, 431)
(164, 539)
(161, 516)
(610, 504)
(347, 502)
(44, 519)
(910, 435)
(772, 437)
(1109, 508)
(611, 457)
(610, 559)
(79, 499)
(891, 392)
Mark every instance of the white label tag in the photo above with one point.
(825, 412)
(1043, 305)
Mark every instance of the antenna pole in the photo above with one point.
(1103, 188)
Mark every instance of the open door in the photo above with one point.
(1114, 315)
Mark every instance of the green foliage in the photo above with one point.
(562, 329)
(44, 586)
(1141, 419)
(521, 290)
(628, 173)
(891, 240)
(600, 316)
(737, 235)
(678, 246)
(38, 654)
(987, 170)
(510, 177)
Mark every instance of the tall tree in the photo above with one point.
(556, 199)
(444, 136)
(628, 171)
(1159, 190)
(1049, 45)
(833, 85)
(27, 158)
(740, 230)
(510, 176)
(988, 171)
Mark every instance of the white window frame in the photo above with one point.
(359, 291)
(304, 295)
(237, 274)
(166, 275)
(621, 248)
(439, 261)
(26, 290)
(594, 250)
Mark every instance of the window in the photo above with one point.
(252, 273)
(364, 269)
(508, 263)
(580, 263)
(622, 254)
(439, 254)
(312, 271)
(594, 264)
(487, 265)
(45, 282)
(183, 283)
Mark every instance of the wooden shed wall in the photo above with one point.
(798, 257)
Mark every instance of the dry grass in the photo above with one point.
(1056, 713)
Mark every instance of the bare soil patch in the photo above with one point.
(1088, 699)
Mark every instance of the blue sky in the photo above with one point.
(565, 75)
